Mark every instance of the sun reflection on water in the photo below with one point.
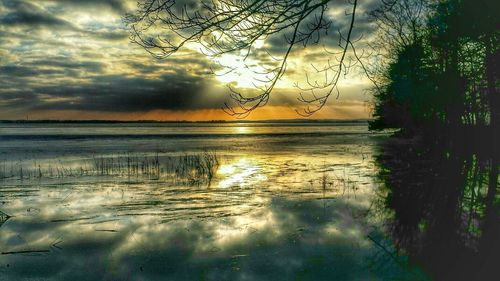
(243, 172)
(242, 130)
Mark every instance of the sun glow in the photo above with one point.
(244, 73)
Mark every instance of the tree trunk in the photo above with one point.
(491, 63)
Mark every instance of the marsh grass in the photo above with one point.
(338, 179)
(194, 169)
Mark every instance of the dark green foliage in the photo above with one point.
(409, 97)
(448, 77)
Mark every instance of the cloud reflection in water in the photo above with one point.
(266, 216)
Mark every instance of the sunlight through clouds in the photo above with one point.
(74, 60)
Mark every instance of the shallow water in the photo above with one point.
(287, 202)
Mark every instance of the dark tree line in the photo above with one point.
(441, 64)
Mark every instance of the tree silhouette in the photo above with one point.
(443, 62)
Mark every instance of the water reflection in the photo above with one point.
(243, 130)
(243, 172)
(288, 207)
(444, 206)
(286, 240)
(266, 216)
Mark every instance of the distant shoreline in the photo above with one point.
(339, 121)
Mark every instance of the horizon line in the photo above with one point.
(177, 121)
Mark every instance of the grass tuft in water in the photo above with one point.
(194, 169)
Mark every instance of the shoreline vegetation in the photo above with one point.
(440, 77)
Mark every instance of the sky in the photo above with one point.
(73, 59)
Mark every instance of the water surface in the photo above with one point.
(285, 202)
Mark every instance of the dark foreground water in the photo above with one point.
(268, 201)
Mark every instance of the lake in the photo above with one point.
(203, 201)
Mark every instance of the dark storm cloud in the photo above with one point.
(115, 93)
(31, 18)
(43, 70)
(339, 22)
(64, 62)
(60, 66)
(25, 13)
(22, 13)
(116, 5)
(39, 71)
(14, 70)
(116, 35)
(178, 90)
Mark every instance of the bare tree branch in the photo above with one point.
(219, 27)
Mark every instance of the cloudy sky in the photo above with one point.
(73, 59)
